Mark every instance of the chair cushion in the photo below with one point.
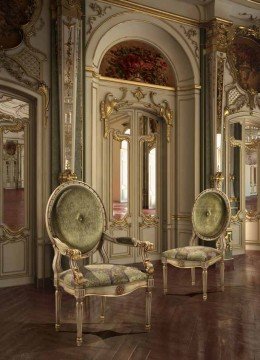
(192, 253)
(105, 275)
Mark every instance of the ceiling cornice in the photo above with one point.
(130, 5)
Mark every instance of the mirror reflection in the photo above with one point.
(148, 157)
(120, 168)
(13, 179)
(252, 142)
(235, 154)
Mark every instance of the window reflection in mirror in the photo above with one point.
(252, 149)
(120, 165)
(13, 165)
(148, 160)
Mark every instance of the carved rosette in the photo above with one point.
(69, 29)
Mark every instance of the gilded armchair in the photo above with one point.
(76, 225)
(210, 219)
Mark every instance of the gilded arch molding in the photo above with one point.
(110, 104)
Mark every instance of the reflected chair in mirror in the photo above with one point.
(76, 224)
(210, 219)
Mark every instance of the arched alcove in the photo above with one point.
(181, 176)
(137, 61)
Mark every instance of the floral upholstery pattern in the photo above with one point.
(192, 253)
(105, 275)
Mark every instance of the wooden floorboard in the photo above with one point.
(225, 327)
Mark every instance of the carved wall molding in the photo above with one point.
(219, 35)
(99, 12)
(191, 35)
(69, 15)
(235, 99)
(110, 104)
(220, 90)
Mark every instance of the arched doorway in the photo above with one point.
(179, 171)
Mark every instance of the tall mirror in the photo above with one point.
(252, 159)
(149, 130)
(235, 144)
(120, 139)
(14, 116)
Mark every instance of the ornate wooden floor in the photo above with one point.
(226, 327)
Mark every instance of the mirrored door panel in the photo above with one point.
(16, 190)
(133, 150)
(13, 165)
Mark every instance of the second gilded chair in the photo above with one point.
(210, 219)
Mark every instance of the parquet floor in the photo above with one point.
(225, 327)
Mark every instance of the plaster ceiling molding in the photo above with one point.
(247, 18)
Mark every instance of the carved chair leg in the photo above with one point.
(204, 281)
(148, 309)
(165, 280)
(58, 295)
(193, 276)
(79, 319)
(103, 307)
(222, 274)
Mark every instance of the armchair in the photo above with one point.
(210, 218)
(76, 224)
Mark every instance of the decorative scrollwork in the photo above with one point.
(8, 235)
(149, 220)
(233, 142)
(109, 105)
(220, 80)
(190, 34)
(99, 13)
(165, 112)
(138, 94)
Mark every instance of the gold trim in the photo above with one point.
(187, 88)
(234, 142)
(67, 175)
(111, 104)
(152, 11)
(180, 217)
(138, 83)
(129, 82)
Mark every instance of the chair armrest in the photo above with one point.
(64, 249)
(74, 255)
(145, 247)
(128, 241)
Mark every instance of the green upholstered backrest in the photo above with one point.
(77, 216)
(211, 214)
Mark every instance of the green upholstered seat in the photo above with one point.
(105, 275)
(192, 253)
(77, 218)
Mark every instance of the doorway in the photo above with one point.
(134, 154)
(17, 189)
